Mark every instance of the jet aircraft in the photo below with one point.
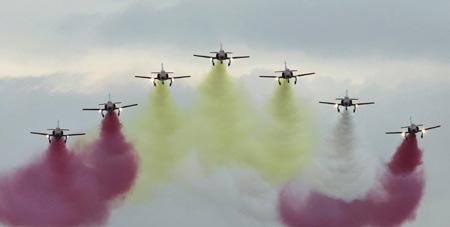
(162, 76)
(57, 133)
(110, 107)
(221, 56)
(413, 129)
(287, 74)
(347, 102)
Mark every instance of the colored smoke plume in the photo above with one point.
(289, 135)
(63, 188)
(113, 161)
(391, 204)
(156, 134)
(340, 169)
(55, 190)
(227, 128)
(224, 129)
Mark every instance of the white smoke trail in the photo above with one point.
(230, 196)
(339, 169)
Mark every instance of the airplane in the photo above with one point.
(347, 102)
(58, 133)
(162, 76)
(109, 107)
(221, 56)
(413, 129)
(287, 74)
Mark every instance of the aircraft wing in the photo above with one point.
(180, 77)
(395, 132)
(144, 77)
(128, 106)
(268, 76)
(305, 74)
(93, 109)
(330, 103)
(237, 57)
(432, 127)
(76, 134)
(40, 133)
(202, 56)
(365, 103)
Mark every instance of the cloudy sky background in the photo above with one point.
(57, 57)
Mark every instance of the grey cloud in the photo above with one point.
(316, 27)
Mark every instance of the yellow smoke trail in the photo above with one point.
(223, 129)
(224, 125)
(155, 135)
(228, 130)
(290, 136)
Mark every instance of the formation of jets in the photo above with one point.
(58, 133)
(287, 74)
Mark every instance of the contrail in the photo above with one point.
(64, 189)
(391, 204)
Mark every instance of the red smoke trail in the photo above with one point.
(56, 190)
(113, 160)
(389, 205)
(64, 189)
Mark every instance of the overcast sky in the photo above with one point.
(58, 56)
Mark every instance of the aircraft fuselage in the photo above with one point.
(162, 76)
(110, 106)
(221, 56)
(287, 74)
(346, 102)
(57, 134)
(413, 129)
